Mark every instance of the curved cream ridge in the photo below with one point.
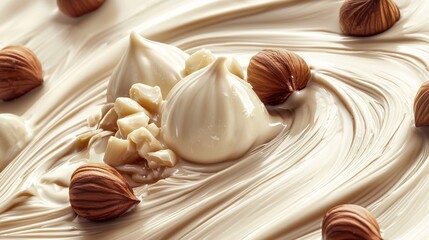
(350, 139)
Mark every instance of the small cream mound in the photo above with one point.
(212, 115)
(148, 62)
(14, 134)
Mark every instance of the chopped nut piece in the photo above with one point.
(148, 97)
(119, 135)
(204, 57)
(144, 141)
(108, 122)
(200, 59)
(161, 158)
(153, 129)
(132, 122)
(127, 106)
(120, 151)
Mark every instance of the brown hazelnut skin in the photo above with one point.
(99, 192)
(421, 106)
(20, 72)
(77, 8)
(363, 18)
(350, 221)
(275, 73)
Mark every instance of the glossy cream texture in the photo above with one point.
(350, 135)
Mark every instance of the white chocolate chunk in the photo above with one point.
(148, 97)
(144, 141)
(132, 122)
(200, 59)
(203, 57)
(161, 158)
(153, 129)
(127, 106)
(108, 122)
(120, 152)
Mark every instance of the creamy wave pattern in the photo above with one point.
(350, 140)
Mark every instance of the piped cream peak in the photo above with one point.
(148, 62)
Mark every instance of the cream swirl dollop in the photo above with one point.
(14, 134)
(212, 116)
(148, 62)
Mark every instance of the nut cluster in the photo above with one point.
(275, 73)
(350, 221)
(136, 138)
(20, 72)
(98, 192)
(368, 17)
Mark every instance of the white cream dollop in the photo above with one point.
(148, 62)
(14, 135)
(213, 116)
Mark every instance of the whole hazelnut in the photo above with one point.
(20, 72)
(275, 73)
(350, 221)
(368, 17)
(77, 8)
(98, 192)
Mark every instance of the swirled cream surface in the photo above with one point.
(349, 136)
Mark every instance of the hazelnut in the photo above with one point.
(275, 73)
(421, 106)
(77, 8)
(367, 17)
(20, 72)
(98, 192)
(350, 221)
